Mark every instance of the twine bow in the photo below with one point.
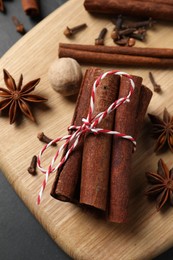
(89, 125)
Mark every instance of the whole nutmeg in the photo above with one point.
(65, 76)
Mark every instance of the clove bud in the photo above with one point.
(71, 31)
(45, 139)
(156, 87)
(19, 26)
(33, 165)
(100, 39)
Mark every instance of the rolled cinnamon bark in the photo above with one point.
(118, 211)
(97, 149)
(135, 51)
(95, 57)
(125, 122)
(30, 7)
(131, 8)
(67, 181)
(168, 2)
(1, 6)
(144, 100)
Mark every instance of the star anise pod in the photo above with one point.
(162, 130)
(161, 185)
(16, 97)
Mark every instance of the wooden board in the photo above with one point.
(82, 236)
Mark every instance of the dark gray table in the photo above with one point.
(21, 236)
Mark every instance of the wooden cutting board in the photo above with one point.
(81, 235)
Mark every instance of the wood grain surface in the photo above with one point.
(81, 235)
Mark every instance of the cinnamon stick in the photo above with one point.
(135, 51)
(97, 149)
(168, 2)
(145, 97)
(30, 7)
(1, 6)
(129, 119)
(136, 56)
(133, 8)
(122, 152)
(67, 181)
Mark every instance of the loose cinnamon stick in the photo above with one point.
(131, 8)
(66, 184)
(135, 51)
(1, 6)
(91, 54)
(97, 149)
(30, 7)
(168, 2)
(125, 122)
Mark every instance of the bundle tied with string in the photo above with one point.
(94, 183)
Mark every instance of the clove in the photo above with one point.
(19, 26)
(131, 42)
(45, 139)
(33, 166)
(125, 42)
(118, 26)
(71, 31)
(100, 39)
(138, 36)
(146, 24)
(119, 22)
(156, 87)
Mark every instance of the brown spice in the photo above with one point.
(97, 149)
(122, 149)
(127, 31)
(126, 42)
(136, 56)
(136, 51)
(33, 166)
(119, 22)
(31, 7)
(144, 24)
(16, 97)
(138, 36)
(72, 31)
(131, 8)
(156, 87)
(122, 41)
(163, 131)
(168, 2)
(131, 42)
(66, 186)
(1, 5)
(45, 139)
(100, 39)
(19, 26)
(114, 34)
(125, 122)
(118, 34)
(161, 185)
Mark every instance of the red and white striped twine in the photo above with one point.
(89, 125)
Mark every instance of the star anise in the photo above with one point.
(16, 97)
(162, 130)
(161, 185)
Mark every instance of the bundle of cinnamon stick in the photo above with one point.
(97, 173)
(157, 9)
(116, 55)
